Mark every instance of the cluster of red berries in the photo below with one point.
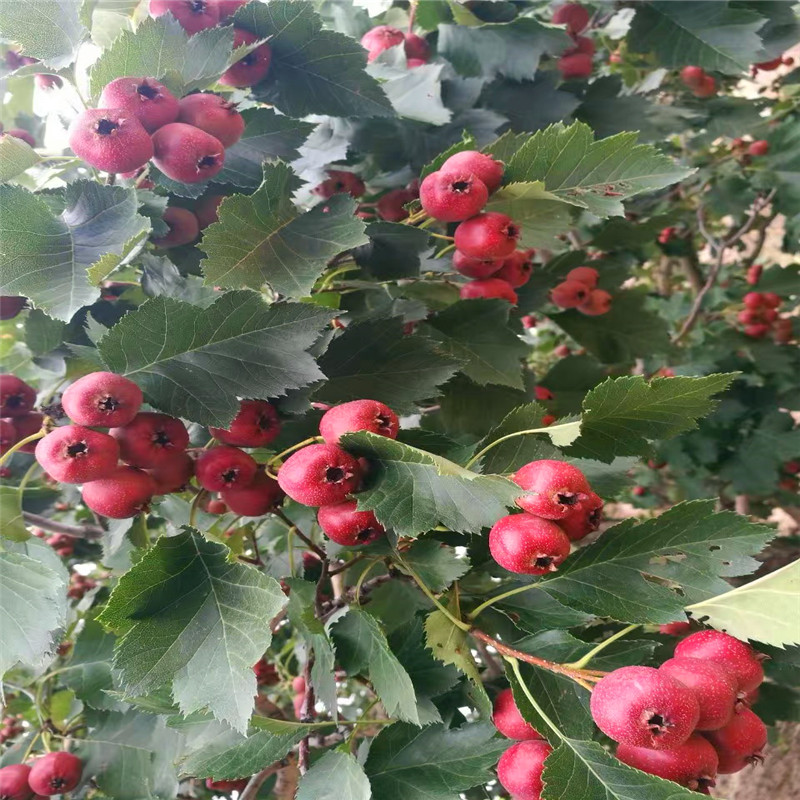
(699, 81)
(79, 585)
(382, 37)
(18, 420)
(665, 235)
(62, 543)
(392, 205)
(579, 290)
(339, 181)
(324, 475)
(53, 773)
(688, 720)
(558, 506)
(760, 314)
(10, 729)
(576, 61)
(748, 150)
(266, 673)
(14, 61)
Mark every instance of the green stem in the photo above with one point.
(426, 223)
(34, 437)
(582, 662)
(26, 478)
(429, 594)
(441, 236)
(361, 579)
(497, 598)
(446, 250)
(508, 436)
(515, 669)
(298, 446)
(195, 505)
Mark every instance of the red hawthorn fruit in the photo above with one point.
(675, 628)
(740, 742)
(391, 206)
(548, 419)
(583, 44)
(665, 235)
(192, 15)
(643, 707)
(417, 48)
(693, 76)
(339, 181)
(570, 294)
(562, 351)
(543, 394)
(124, 493)
(358, 415)
(74, 454)
(753, 300)
(216, 507)
(475, 267)
(207, 210)
(148, 100)
(226, 787)
(381, 38)
(528, 545)
(251, 69)
(255, 425)
(487, 235)
(8, 435)
(529, 321)
(639, 491)
(584, 519)
(770, 299)
(693, 764)
(516, 269)
(319, 475)
(212, 114)
(345, 525)
(21, 133)
(792, 467)
(16, 397)
(598, 303)
(173, 474)
(483, 166)
(489, 288)
(758, 148)
(708, 88)
(452, 196)
(748, 316)
(737, 656)
(757, 331)
(585, 275)
(110, 140)
(575, 65)
(55, 773)
(225, 467)
(149, 438)
(553, 489)
(520, 768)
(14, 782)
(255, 500)
(102, 399)
(183, 228)
(187, 154)
(508, 719)
(11, 305)
(573, 15)
(266, 673)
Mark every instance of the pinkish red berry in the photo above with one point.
(391, 206)
(111, 140)
(21, 133)
(358, 415)
(520, 768)
(758, 148)
(14, 782)
(213, 114)
(255, 500)
(417, 48)
(573, 15)
(488, 235)
(479, 164)
(55, 773)
(508, 719)
(319, 475)
(517, 269)
(740, 742)
(102, 399)
(347, 526)
(339, 181)
(145, 98)
(693, 77)
(225, 467)
(183, 225)
(739, 657)
(584, 519)
(675, 628)
(124, 493)
(585, 275)
(187, 154)
(255, 425)
(528, 545)
(476, 267)
(207, 209)
(381, 38)
(452, 196)
(74, 454)
(575, 65)
(11, 305)
(597, 304)
(149, 438)
(173, 474)
(488, 289)
(16, 397)
(553, 489)
(570, 294)
(251, 69)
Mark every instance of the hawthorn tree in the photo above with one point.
(386, 386)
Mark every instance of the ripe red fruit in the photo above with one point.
(21, 133)
(338, 181)
(391, 206)
(488, 235)
(255, 425)
(14, 782)
(475, 267)
(757, 331)
(254, 500)
(528, 545)
(207, 209)
(693, 76)
(740, 742)
(226, 787)
(708, 88)
(216, 507)
(358, 415)
(570, 294)
(111, 140)
(224, 467)
(122, 494)
(714, 685)
(585, 275)
(508, 720)
(542, 393)
(192, 15)
(490, 288)
(528, 322)
(584, 519)
(598, 303)
(748, 316)
(573, 15)
(74, 454)
(347, 526)
(172, 474)
(770, 299)
(145, 98)
(212, 114)
(299, 684)
(737, 656)
(102, 399)
(583, 44)
(516, 269)
(251, 69)
(753, 300)
(55, 773)
(381, 38)
(183, 227)
(692, 764)
(26, 426)
(149, 438)
(416, 47)
(575, 65)
(452, 196)
(16, 397)
(11, 305)
(520, 768)
(266, 673)
(675, 628)
(553, 489)
(319, 475)
(187, 154)
(8, 435)
(479, 164)
(642, 706)
(758, 148)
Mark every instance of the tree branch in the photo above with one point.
(78, 531)
(257, 781)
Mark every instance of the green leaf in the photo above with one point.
(413, 491)
(764, 610)
(313, 71)
(15, 157)
(88, 673)
(436, 564)
(131, 756)
(477, 333)
(715, 36)
(263, 238)
(622, 334)
(336, 776)
(595, 175)
(414, 93)
(33, 608)
(536, 611)
(393, 250)
(267, 136)
(648, 572)
(190, 618)
(467, 142)
(375, 359)
(46, 257)
(49, 30)
(622, 415)
(230, 755)
(13, 526)
(195, 362)
(432, 763)
(42, 333)
(361, 646)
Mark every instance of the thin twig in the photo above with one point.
(78, 531)
(306, 715)
(300, 535)
(256, 782)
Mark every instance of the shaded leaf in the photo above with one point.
(13, 526)
(15, 157)
(436, 564)
(336, 776)
(89, 672)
